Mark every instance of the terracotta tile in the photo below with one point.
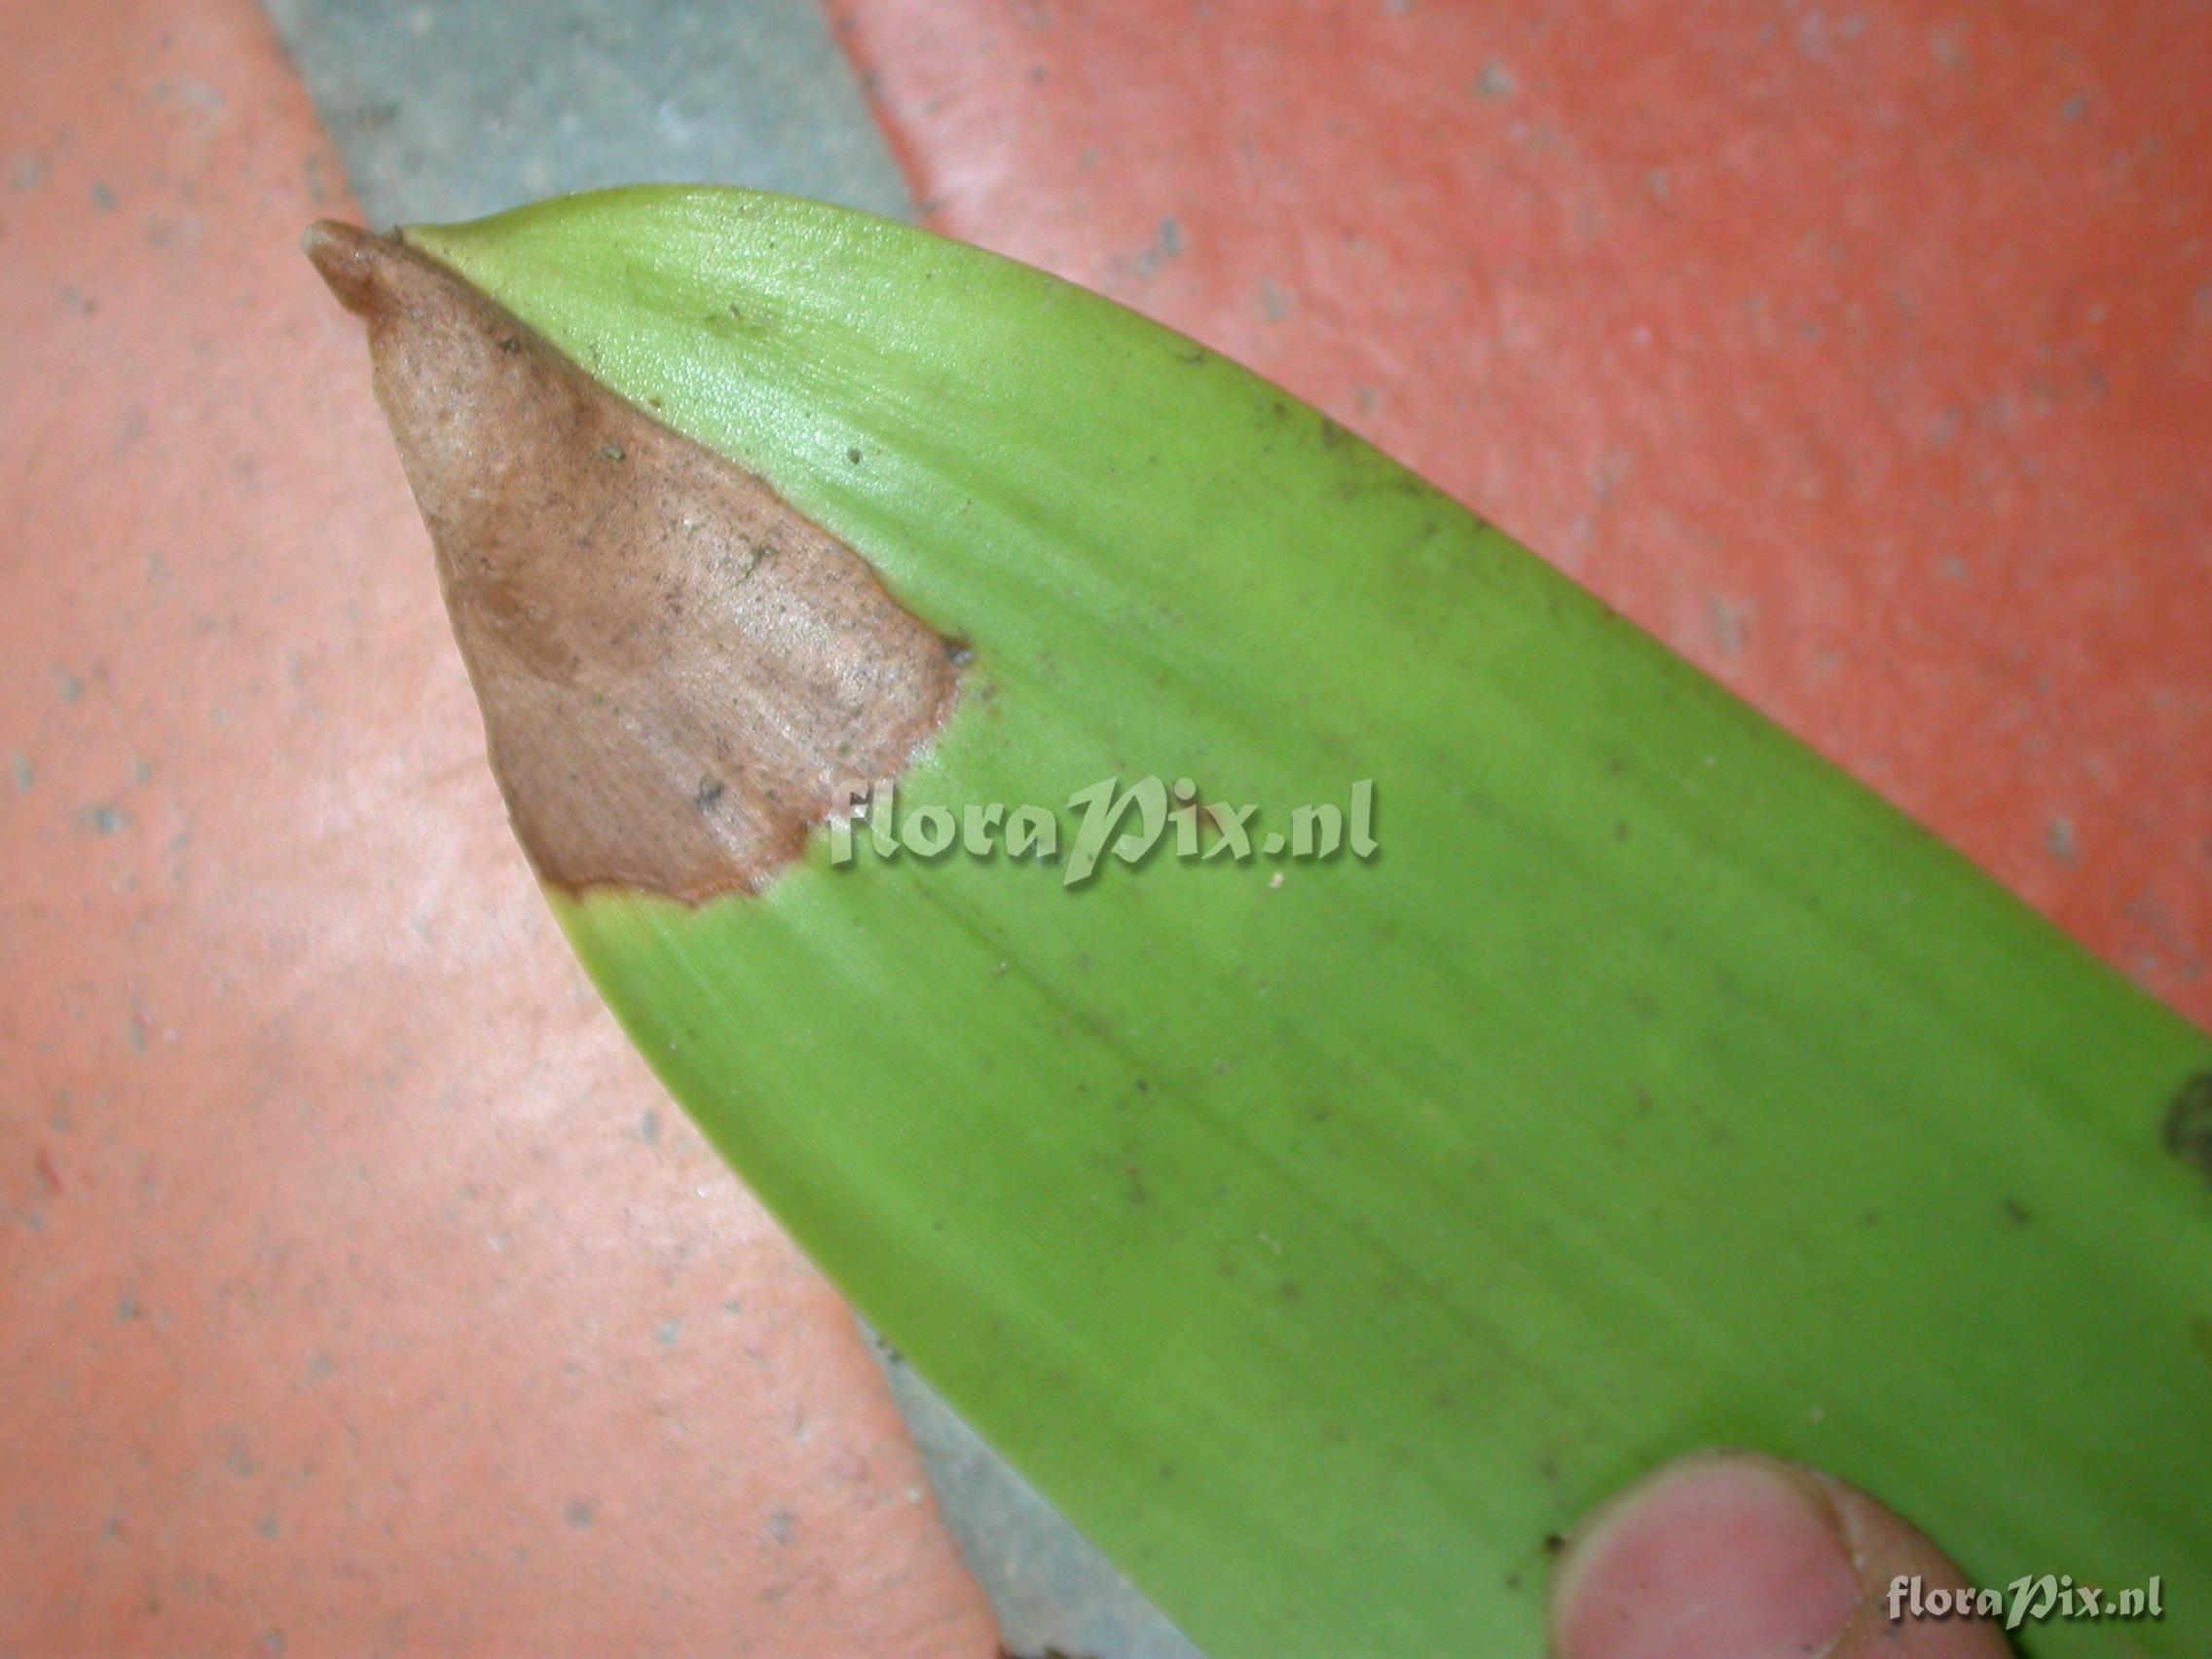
(1864, 352)
(359, 1292)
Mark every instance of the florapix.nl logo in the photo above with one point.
(1113, 821)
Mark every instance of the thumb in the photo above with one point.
(1735, 1555)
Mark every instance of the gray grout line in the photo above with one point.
(454, 110)
(457, 109)
(1052, 1593)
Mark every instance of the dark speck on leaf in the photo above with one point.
(2187, 1132)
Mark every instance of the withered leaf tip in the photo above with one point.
(678, 673)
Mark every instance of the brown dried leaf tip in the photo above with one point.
(676, 671)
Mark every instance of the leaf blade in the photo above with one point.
(1371, 1227)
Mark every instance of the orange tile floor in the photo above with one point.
(360, 1291)
(1862, 353)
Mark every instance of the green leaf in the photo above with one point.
(1324, 1244)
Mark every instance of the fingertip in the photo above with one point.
(1733, 1555)
(1719, 1555)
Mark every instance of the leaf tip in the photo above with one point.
(354, 262)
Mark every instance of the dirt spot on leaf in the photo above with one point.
(2187, 1130)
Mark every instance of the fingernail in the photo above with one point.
(1723, 1556)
